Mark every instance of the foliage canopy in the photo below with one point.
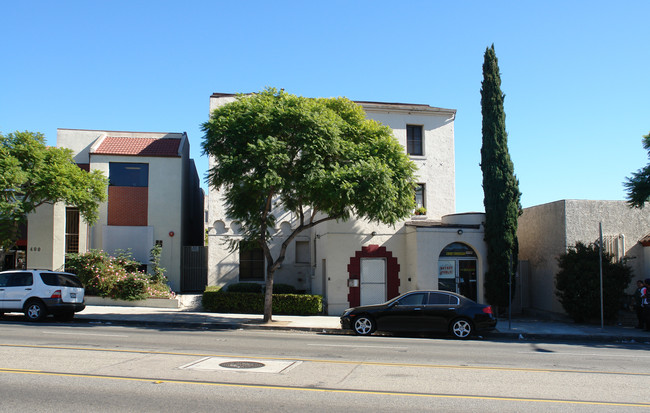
(638, 185)
(500, 187)
(578, 283)
(33, 174)
(320, 159)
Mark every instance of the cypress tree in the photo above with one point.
(500, 187)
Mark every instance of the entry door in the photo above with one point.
(458, 276)
(373, 281)
(467, 278)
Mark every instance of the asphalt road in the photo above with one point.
(93, 367)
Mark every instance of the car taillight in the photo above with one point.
(56, 294)
(488, 309)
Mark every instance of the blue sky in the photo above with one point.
(575, 73)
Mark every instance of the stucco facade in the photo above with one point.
(172, 201)
(547, 231)
(361, 262)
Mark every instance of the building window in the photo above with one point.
(615, 246)
(302, 252)
(71, 230)
(419, 196)
(251, 262)
(128, 174)
(414, 139)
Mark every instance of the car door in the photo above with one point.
(440, 309)
(404, 314)
(17, 289)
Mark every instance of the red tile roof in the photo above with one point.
(139, 147)
(645, 241)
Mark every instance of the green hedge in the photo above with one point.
(244, 288)
(253, 303)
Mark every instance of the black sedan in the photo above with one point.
(421, 311)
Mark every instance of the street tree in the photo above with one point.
(320, 159)
(500, 187)
(638, 185)
(33, 174)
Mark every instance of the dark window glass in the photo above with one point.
(251, 262)
(60, 280)
(19, 279)
(413, 299)
(419, 196)
(414, 139)
(441, 298)
(71, 230)
(458, 249)
(128, 174)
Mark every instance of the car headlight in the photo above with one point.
(347, 312)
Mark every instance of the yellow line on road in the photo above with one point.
(353, 362)
(323, 390)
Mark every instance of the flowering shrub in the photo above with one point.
(115, 277)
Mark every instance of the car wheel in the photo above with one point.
(35, 310)
(364, 325)
(67, 316)
(461, 328)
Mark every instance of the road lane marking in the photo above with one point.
(325, 390)
(357, 346)
(344, 362)
(83, 334)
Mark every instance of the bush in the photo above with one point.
(578, 283)
(284, 289)
(253, 303)
(245, 288)
(132, 287)
(114, 277)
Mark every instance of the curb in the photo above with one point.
(209, 326)
(338, 331)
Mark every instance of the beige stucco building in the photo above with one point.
(358, 262)
(546, 231)
(154, 197)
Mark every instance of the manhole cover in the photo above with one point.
(241, 365)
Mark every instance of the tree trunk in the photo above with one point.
(268, 297)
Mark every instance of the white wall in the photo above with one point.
(436, 167)
(46, 237)
(431, 240)
(164, 209)
(334, 243)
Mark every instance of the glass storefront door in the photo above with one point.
(457, 268)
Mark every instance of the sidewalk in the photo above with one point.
(520, 328)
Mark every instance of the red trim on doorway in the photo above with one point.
(392, 272)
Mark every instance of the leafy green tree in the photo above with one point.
(157, 272)
(578, 283)
(500, 187)
(33, 174)
(638, 186)
(318, 158)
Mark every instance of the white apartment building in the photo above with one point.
(358, 262)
